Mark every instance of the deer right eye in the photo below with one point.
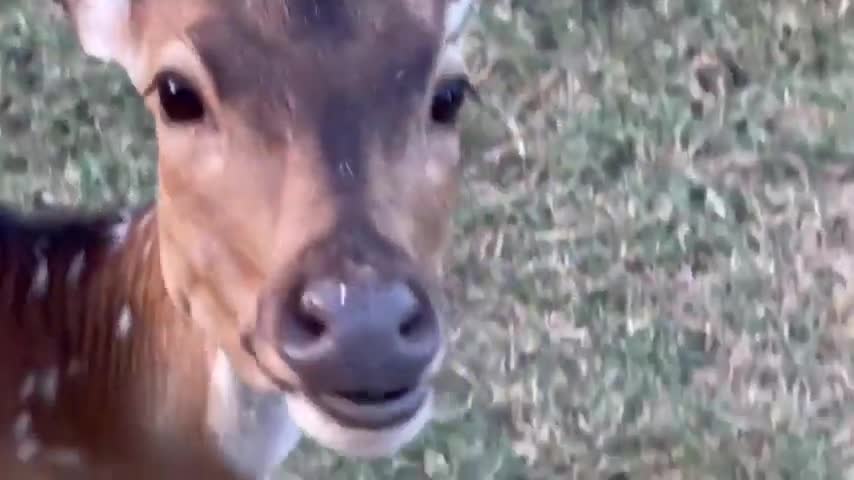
(448, 99)
(178, 98)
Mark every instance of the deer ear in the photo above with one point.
(102, 27)
(456, 18)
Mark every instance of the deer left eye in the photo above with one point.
(179, 100)
(448, 100)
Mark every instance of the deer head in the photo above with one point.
(308, 170)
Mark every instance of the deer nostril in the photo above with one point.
(418, 322)
(311, 316)
(365, 343)
(310, 325)
(408, 327)
(413, 326)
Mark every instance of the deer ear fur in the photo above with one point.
(456, 18)
(102, 27)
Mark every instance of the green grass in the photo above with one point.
(650, 277)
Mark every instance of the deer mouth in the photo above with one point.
(372, 410)
(362, 409)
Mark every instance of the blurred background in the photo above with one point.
(650, 277)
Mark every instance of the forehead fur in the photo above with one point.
(341, 75)
(340, 43)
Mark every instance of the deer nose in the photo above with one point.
(361, 346)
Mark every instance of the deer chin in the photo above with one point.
(330, 431)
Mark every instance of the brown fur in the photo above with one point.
(88, 389)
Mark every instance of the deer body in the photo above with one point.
(285, 280)
(106, 378)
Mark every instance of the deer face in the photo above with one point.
(308, 168)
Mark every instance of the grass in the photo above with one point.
(651, 277)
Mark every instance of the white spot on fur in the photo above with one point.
(75, 367)
(120, 230)
(26, 444)
(22, 425)
(40, 280)
(75, 268)
(27, 449)
(27, 387)
(355, 442)
(220, 384)
(49, 384)
(125, 322)
(145, 220)
(66, 457)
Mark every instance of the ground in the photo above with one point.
(650, 274)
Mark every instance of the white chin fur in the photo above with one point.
(352, 442)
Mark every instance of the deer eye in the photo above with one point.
(179, 99)
(448, 99)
